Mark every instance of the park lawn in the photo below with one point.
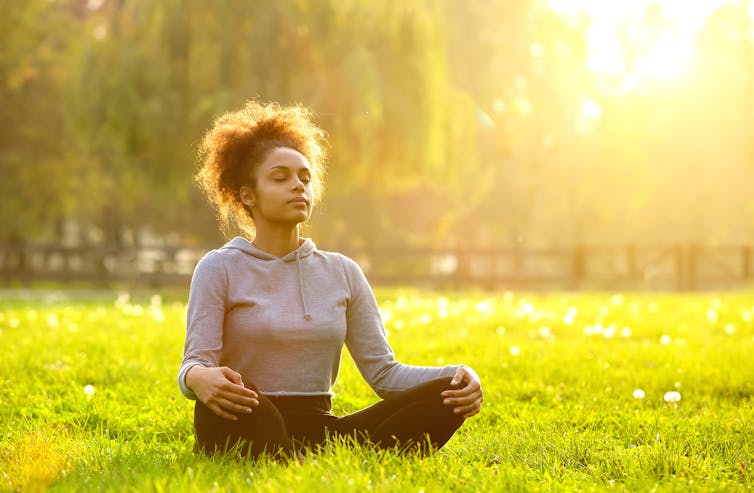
(88, 399)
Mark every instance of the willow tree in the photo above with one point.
(37, 171)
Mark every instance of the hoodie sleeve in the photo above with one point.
(367, 342)
(204, 318)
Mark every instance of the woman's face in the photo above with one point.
(283, 193)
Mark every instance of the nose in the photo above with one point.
(298, 185)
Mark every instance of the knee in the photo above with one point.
(434, 387)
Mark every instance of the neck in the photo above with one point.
(277, 241)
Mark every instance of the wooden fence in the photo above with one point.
(674, 267)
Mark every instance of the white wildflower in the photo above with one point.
(672, 397)
(89, 391)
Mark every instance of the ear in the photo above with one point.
(247, 197)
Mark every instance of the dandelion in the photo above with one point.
(122, 300)
(730, 329)
(500, 330)
(545, 332)
(672, 397)
(596, 329)
(526, 307)
(515, 351)
(609, 332)
(626, 332)
(712, 316)
(442, 308)
(485, 307)
(616, 299)
(89, 391)
(52, 320)
(135, 310)
(570, 316)
(399, 324)
(157, 314)
(156, 300)
(665, 340)
(426, 319)
(638, 394)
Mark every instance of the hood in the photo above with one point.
(306, 248)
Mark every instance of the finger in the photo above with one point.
(458, 393)
(470, 389)
(222, 413)
(239, 399)
(473, 408)
(233, 407)
(231, 375)
(461, 401)
(471, 413)
(458, 377)
(238, 389)
(466, 394)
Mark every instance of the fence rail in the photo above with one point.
(669, 267)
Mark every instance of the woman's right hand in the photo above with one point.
(222, 390)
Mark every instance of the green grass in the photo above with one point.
(559, 412)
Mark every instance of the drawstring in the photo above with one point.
(307, 315)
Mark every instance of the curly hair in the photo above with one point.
(240, 140)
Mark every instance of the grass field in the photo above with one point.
(581, 395)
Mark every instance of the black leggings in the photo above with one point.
(414, 420)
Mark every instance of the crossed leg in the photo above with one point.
(414, 420)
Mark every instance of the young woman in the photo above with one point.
(268, 313)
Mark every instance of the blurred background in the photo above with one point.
(571, 142)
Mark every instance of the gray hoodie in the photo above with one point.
(282, 322)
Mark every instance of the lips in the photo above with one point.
(299, 200)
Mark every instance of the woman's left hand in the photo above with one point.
(466, 400)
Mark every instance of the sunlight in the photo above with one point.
(644, 39)
(670, 58)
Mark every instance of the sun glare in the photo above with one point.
(633, 40)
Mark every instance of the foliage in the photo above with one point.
(483, 119)
(89, 400)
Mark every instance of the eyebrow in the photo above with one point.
(288, 168)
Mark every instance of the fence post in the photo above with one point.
(745, 262)
(680, 271)
(692, 261)
(633, 274)
(578, 266)
(462, 267)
